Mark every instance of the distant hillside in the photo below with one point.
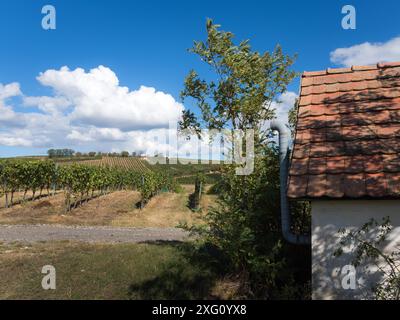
(186, 173)
(127, 163)
(182, 172)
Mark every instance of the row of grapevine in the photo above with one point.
(125, 163)
(33, 175)
(82, 182)
(152, 183)
(79, 182)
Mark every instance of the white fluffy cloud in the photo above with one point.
(9, 90)
(285, 102)
(367, 53)
(87, 109)
(99, 100)
(47, 104)
(8, 117)
(90, 111)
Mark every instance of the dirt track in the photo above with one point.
(35, 233)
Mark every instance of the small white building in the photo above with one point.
(346, 161)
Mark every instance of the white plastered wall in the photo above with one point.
(327, 218)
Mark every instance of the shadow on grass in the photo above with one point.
(192, 275)
(172, 243)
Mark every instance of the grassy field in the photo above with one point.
(99, 271)
(162, 270)
(115, 209)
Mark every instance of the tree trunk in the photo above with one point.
(12, 199)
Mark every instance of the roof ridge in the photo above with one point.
(380, 65)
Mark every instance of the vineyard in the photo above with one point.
(79, 182)
(124, 163)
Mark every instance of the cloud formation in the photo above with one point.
(99, 100)
(282, 107)
(367, 53)
(91, 111)
(88, 109)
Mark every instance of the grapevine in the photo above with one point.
(79, 182)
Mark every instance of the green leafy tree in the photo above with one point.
(245, 227)
(244, 87)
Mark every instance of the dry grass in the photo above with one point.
(88, 271)
(104, 271)
(116, 209)
(166, 210)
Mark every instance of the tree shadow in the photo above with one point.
(190, 276)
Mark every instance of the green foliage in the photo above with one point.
(293, 117)
(58, 153)
(78, 181)
(181, 169)
(245, 230)
(25, 175)
(246, 82)
(367, 243)
(151, 183)
(216, 188)
(209, 178)
(245, 227)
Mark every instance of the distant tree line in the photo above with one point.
(60, 153)
(68, 153)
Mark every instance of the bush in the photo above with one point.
(245, 229)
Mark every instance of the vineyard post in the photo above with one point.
(200, 190)
(141, 200)
(55, 176)
(12, 198)
(6, 194)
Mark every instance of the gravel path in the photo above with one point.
(35, 233)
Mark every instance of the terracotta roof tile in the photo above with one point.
(353, 164)
(301, 151)
(391, 163)
(362, 68)
(348, 134)
(317, 165)
(393, 184)
(373, 163)
(299, 166)
(376, 184)
(298, 185)
(354, 185)
(335, 164)
(316, 186)
(388, 64)
(334, 186)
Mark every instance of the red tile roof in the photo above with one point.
(348, 134)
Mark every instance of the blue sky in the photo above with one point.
(144, 43)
